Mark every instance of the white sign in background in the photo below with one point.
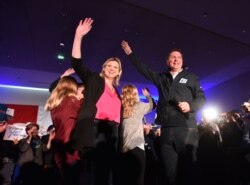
(15, 131)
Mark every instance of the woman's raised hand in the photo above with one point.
(84, 27)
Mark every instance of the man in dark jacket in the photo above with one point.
(180, 97)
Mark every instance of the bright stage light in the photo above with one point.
(210, 113)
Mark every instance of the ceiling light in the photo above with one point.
(60, 57)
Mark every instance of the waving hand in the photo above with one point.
(84, 27)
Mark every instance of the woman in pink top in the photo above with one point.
(64, 105)
(99, 118)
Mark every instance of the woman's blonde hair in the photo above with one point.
(67, 86)
(118, 77)
(129, 99)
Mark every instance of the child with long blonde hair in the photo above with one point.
(133, 134)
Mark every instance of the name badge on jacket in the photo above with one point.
(183, 80)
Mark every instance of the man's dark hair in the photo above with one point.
(174, 49)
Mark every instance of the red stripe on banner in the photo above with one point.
(23, 113)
